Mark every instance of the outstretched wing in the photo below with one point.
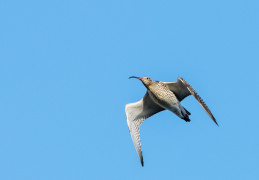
(179, 89)
(136, 113)
(182, 89)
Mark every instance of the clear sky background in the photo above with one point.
(64, 68)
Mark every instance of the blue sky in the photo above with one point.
(64, 68)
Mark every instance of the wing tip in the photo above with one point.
(142, 162)
(213, 119)
(216, 122)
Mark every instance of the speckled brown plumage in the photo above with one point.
(160, 96)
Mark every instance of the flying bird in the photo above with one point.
(160, 96)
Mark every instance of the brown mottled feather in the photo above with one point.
(199, 99)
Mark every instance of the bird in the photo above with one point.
(160, 96)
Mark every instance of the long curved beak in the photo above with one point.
(135, 77)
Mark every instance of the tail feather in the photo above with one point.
(186, 118)
(185, 114)
(188, 113)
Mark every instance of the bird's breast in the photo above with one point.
(162, 96)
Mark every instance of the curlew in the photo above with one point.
(160, 96)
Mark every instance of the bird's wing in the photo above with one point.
(136, 113)
(179, 89)
(182, 89)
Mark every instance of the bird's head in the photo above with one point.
(147, 81)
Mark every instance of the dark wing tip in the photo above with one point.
(142, 162)
(213, 118)
(141, 158)
(215, 122)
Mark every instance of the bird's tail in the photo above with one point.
(186, 118)
(185, 114)
(188, 113)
